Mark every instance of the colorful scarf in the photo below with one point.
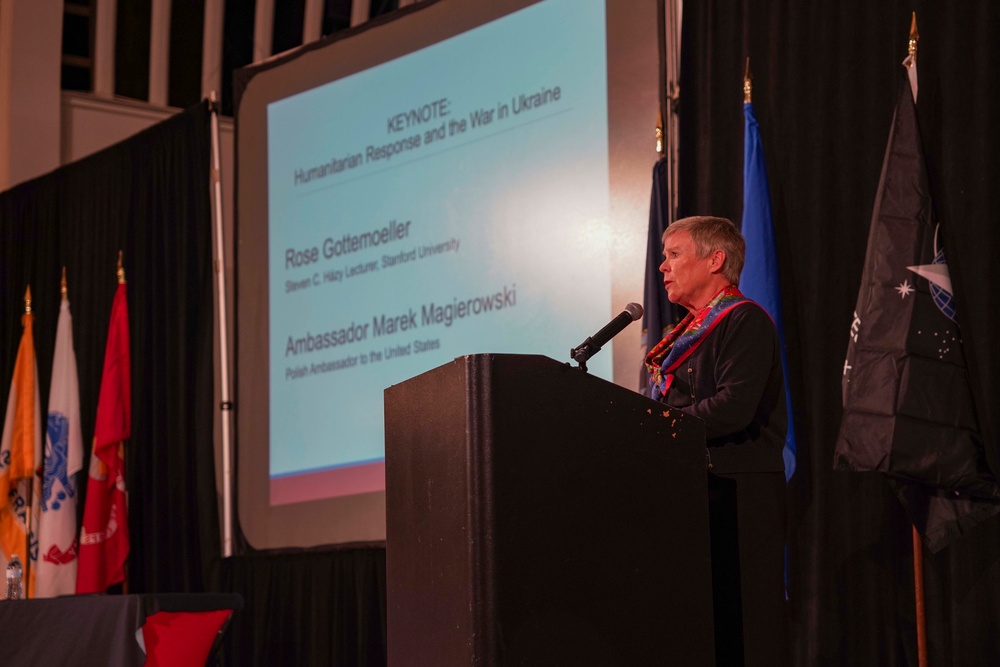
(681, 341)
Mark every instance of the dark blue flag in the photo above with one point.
(658, 313)
(760, 278)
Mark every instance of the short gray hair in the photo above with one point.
(710, 234)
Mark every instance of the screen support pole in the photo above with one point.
(225, 405)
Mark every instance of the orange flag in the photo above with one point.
(20, 452)
(104, 536)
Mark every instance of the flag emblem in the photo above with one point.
(937, 275)
(58, 430)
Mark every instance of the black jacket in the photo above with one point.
(733, 381)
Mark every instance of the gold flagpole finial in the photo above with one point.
(747, 84)
(659, 132)
(914, 37)
(27, 300)
(121, 269)
(62, 285)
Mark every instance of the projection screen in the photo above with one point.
(466, 177)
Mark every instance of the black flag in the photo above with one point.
(908, 409)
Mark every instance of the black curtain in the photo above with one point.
(826, 76)
(149, 197)
(319, 607)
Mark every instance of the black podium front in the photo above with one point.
(538, 515)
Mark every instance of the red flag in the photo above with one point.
(104, 536)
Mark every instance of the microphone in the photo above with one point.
(593, 345)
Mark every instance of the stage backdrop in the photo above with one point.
(826, 77)
(149, 197)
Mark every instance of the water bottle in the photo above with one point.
(15, 579)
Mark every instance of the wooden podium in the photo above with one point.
(538, 515)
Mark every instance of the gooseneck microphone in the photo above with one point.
(593, 345)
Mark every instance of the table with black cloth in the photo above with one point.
(125, 630)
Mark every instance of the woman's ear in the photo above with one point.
(718, 260)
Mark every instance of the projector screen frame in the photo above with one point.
(633, 94)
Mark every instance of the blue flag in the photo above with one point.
(760, 278)
(658, 313)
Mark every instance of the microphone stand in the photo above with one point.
(584, 351)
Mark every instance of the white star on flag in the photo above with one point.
(904, 289)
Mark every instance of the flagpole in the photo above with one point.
(226, 405)
(675, 10)
(747, 84)
(29, 520)
(120, 273)
(669, 15)
(918, 553)
(27, 567)
(918, 590)
(661, 52)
